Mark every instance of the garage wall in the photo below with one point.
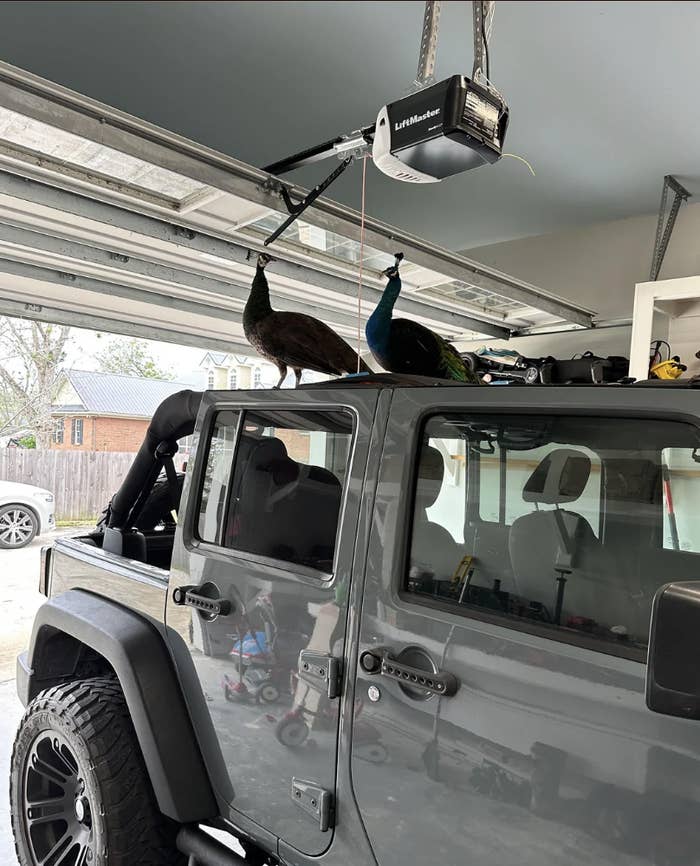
(684, 336)
(598, 267)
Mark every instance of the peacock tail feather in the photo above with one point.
(453, 365)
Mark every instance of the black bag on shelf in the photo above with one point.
(590, 368)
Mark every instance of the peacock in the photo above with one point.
(403, 346)
(294, 339)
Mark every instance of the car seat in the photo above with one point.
(284, 509)
(552, 543)
(433, 548)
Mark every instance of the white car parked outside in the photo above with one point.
(25, 512)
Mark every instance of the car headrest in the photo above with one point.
(560, 477)
(270, 455)
(266, 452)
(431, 471)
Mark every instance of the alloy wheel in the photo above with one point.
(57, 812)
(16, 527)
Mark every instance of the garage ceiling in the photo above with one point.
(110, 222)
(601, 94)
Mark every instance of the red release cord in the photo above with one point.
(362, 253)
(669, 498)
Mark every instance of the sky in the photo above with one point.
(182, 360)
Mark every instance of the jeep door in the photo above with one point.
(259, 582)
(519, 537)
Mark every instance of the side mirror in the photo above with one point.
(673, 666)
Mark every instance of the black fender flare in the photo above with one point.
(136, 651)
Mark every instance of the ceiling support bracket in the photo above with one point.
(425, 75)
(295, 209)
(663, 232)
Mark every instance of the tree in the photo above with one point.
(132, 358)
(31, 354)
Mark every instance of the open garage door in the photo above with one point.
(111, 223)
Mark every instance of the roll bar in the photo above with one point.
(173, 419)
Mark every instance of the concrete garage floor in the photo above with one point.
(19, 600)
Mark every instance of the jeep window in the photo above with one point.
(569, 525)
(217, 471)
(283, 487)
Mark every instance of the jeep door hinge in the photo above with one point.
(316, 801)
(324, 672)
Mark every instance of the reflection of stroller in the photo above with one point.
(265, 658)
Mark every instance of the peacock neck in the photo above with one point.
(379, 323)
(258, 306)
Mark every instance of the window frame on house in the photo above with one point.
(232, 379)
(257, 377)
(210, 380)
(77, 431)
(58, 435)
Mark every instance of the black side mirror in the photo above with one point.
(673, 668)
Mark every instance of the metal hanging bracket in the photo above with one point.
(296, 209)
(663, 232)
(480, 11)
(425, 76)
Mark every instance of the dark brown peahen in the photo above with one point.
(294, 339)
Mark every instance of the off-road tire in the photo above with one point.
(91, 718)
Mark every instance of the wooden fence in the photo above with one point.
(82, 481)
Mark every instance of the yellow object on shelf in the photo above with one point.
(670, 369)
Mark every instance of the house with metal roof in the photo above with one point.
(105, 411)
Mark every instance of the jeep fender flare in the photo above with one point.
(135, 649)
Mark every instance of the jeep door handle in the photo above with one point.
(381, 662)
(213, 607)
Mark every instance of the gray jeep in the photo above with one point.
(385, 621)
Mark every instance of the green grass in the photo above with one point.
(67, 524)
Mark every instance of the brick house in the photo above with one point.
(105, 411)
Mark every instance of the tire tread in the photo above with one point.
(137, 833)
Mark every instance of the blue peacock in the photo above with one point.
(403, 346)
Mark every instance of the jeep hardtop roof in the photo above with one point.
(395, 380)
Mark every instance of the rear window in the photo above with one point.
(567, 524)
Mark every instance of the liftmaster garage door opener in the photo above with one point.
(438, 130)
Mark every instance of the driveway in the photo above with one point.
(19, 600)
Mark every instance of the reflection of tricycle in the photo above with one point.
(265, 658)
(312, 709)
(293, 729)
(258, 675)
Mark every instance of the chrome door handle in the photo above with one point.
(381, 662)
(212, 607)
